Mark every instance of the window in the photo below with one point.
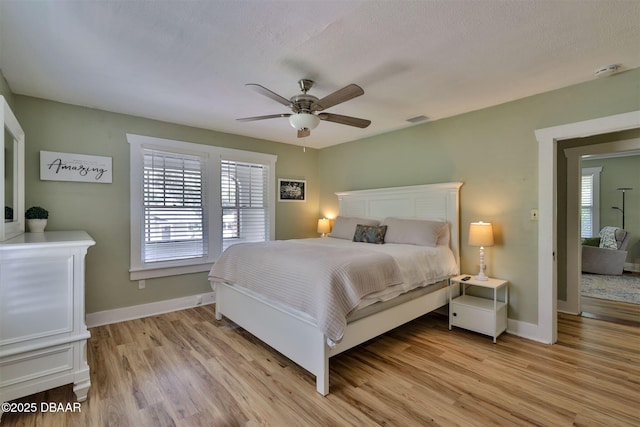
(189, 202)
(244, 202)
(590, 202)
(174, 206)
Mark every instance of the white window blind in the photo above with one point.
(245, 202)
(590, 202)
(586, 210)
(174, 207)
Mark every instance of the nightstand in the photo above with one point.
(483, 315)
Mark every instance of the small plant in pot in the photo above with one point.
(36, 218)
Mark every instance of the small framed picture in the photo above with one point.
(292, 190)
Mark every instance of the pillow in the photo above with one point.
(370, 233)
(445, 236)
(419, 232)
(344, 227)
(608, 238)
(591, 241)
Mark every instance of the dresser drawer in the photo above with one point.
(35, 364)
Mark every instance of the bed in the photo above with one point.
(310, 338)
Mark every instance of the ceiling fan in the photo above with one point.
(306, 108)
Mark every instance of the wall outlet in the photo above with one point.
(141, 284)
(533, 214)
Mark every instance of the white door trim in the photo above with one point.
(547, 189)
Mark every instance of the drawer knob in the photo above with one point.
(455, 314)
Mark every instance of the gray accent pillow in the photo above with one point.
(370, 234)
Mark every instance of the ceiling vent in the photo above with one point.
(608, 70)
(418, 119)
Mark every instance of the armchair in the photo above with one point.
(602, 260)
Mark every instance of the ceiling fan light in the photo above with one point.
(304, 121)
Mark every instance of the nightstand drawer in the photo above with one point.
(476, 314)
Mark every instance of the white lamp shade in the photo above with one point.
(324, 226)
(480, 234)
(304, 121)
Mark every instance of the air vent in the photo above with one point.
(607, 71)
(418, 119)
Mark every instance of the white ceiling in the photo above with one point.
(187, 61)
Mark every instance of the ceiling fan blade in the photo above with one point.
(345, 120)
(346, 93)
(271, 116)
(269, 94)
(304, 132)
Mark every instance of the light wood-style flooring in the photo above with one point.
(187, 369)
(612, 311)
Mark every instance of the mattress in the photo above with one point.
(413, 267)
(378, 306)
(419, 266)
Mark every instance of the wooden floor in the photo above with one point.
(612, 311)
(187, 369)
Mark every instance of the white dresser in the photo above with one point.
(43, 335)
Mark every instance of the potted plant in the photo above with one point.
(36, 218)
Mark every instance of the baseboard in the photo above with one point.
(107, 317)
(628, 266)
(568, 311)
(524, 330)
(569, 307)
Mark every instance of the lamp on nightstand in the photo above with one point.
(481, 234)
(324, 226)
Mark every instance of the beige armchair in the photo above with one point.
(607, 261)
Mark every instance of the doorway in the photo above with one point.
(570, 277)
(548, 139)
(604, 293)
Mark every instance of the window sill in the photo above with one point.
(150, 273)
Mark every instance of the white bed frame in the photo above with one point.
(299, 339)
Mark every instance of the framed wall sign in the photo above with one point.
(75, 167)
(292, 190)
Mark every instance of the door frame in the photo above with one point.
(548, 216)
(574, 173)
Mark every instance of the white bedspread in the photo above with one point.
(328, 278)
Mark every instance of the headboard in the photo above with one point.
(431, 201)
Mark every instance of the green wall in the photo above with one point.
(5, 91)
(103, 209)
(620, 172)
(495, 153)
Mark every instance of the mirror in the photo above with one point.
(12, 173)
(8, 176)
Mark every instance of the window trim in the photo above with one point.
(213, 154)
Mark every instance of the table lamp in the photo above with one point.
(324, 226)
(481, 234)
